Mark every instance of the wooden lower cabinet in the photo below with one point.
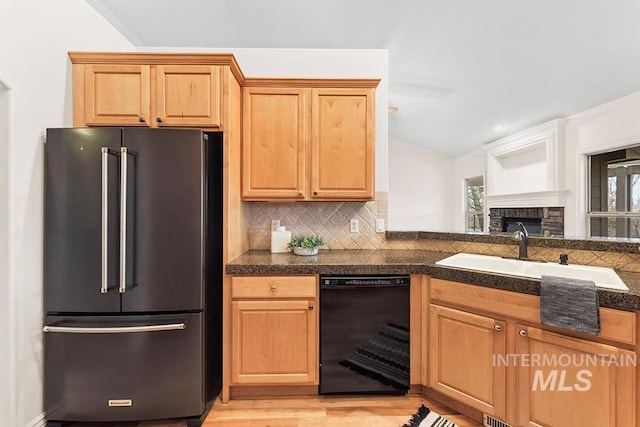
(482, 348)
(462, 349)
(573, 382)
(274, 339)
(488, 350)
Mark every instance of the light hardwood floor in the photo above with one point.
(369, 411)
(323, 411)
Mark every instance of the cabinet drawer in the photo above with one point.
(273, 287)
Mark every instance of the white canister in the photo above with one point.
(280, 240)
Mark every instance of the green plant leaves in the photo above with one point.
(309, 242)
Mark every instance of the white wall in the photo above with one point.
(36, 36)
(7, 332)
(322, 63)
(468, 166)
(607, 127)
(420, 196)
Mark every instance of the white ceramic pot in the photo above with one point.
(305, 251)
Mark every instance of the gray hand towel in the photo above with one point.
(570, 304)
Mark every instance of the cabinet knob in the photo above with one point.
(300, 193)
(315, 193)
(141, 119)
(159, 119)
(310, 306)
(274, 288)
(523, 333)
(497, 328)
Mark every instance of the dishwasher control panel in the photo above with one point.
(368, 281)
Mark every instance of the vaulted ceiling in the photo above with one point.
(461, 72)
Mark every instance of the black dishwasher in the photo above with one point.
(364, 334)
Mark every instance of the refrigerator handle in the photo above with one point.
(115, 330)
(105, 221)
(123, 219)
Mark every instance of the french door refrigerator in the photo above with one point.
(132, 274)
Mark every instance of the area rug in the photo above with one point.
(384, 357)
(427, 418)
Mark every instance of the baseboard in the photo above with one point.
(257, 392)
(38, 421)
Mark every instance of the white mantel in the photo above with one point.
(523, 169)
(535, 199)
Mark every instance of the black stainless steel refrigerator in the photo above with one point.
(132, 274)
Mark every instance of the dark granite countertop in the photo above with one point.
(400, 261)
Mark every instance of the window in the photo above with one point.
(614, 209)
(474, 204)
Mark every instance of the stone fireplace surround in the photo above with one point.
(551, 219)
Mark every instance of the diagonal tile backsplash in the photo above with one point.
(329, 220)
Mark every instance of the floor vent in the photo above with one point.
(489, 421)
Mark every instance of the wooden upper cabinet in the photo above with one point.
(187, 95)
(342, 144)
(151, 89)
(302, 142)
(275, 133)
(115, 94)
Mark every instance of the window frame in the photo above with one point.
(604, 214)
(467, 212)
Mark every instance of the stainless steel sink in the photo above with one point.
(603, 277)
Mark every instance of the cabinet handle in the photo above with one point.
(310, 306)
(141, 119)
(274, 288)
(124, 162)
(159, 119)
(115, 330)
(497, 328)
(105, 221)
(523, 333)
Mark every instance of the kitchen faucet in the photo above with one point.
(522, 236)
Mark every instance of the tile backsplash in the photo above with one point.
(329, 220)
(598, 258)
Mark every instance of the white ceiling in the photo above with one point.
(457, 68)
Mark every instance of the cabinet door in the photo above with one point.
(462, 352)
(275, 135)
(274, 342)
(117, 95)
(569, 382)
(188, 95)
(342, 144)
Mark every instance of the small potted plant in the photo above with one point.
(306, 245)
